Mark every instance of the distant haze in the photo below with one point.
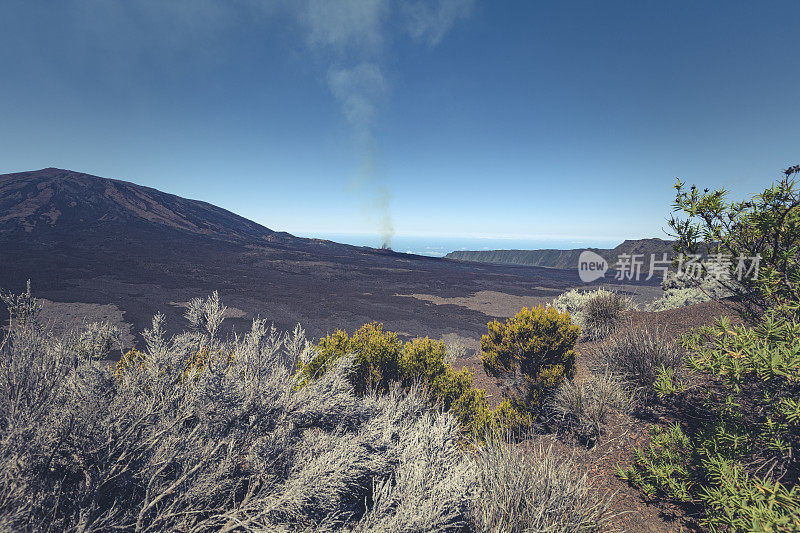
(439, 246)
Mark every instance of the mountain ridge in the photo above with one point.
(44, 204)
(551, 258)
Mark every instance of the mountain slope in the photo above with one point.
(45, 205)
(109, 249)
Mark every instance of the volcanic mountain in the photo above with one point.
(114, 250)
(52, 204)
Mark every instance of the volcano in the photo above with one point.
(52, 204)
(103, 248)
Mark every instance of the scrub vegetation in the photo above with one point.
(263, 432)
(366, 431)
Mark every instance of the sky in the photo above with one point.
(542, 120)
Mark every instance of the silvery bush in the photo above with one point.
(229, 443)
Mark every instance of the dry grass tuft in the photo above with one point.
(638, 354)
(532, 490)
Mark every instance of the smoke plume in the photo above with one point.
(359, 91)
(353, 35)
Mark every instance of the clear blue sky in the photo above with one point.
(453, 118)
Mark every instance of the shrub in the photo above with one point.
(521, 490)
(477, 419)
(663, 468)
(511, 417)
(680, 291)
(741, 461)
(98, 339)
(573, 300)
(534, 348)
(423, 360)
(597, 312)
(131, 361)
(758, 368)
(735, 500)
(473, 412)
(602, 314)
(455, 351)
(23, 310)
(583, 408)
(383, 360)
(378, 357)
(768, 225)
(677, 298)
(638, 354)
(742, 502)
(239, 446)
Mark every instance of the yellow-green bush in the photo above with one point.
(381, 358)
(473, 412)
(378, 357)
(131, 360)
(535, 345)
(478, 419)
(423, 360)
(512, 416)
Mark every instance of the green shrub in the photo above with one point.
(381, 359)
(667, 383)
(741, 502)
(534, 348)
(673, 466)
(759, 369)
(663, 468)
(740, 462)
(768, 225)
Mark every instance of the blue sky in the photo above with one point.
(543, 120)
